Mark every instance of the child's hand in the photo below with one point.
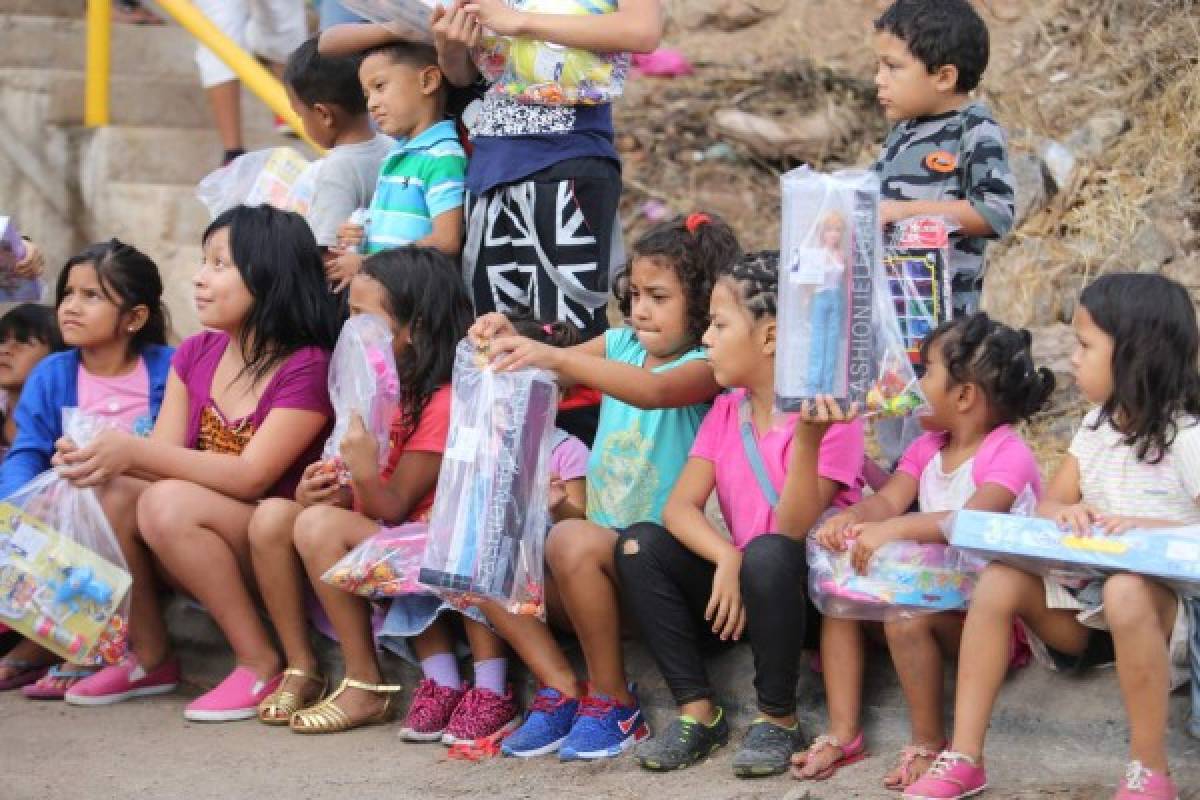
(359, 450)
(33, 264)
(832, 534)
(63, 447)
(518, 352)
(1113, 524)
(108, 456)
(868, 538)
(342, 267)
(1078, 518)
(318, 485)
(350, 236)
(725, 609)
(497, 16)
(488, 327)
(819, 414)
(453, 26)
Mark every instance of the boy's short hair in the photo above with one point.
(413, 54)
(941, 32)
(325, 79)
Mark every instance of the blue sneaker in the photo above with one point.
(603, 729)
(546, 726)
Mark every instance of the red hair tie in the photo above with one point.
(694, 221)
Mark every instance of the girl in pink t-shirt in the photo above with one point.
(753, 582)
(979, 380)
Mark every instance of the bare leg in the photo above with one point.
(281, 578)
(200, 536)
(1002, 593)
(225, 99)
(535, 644)
(485, 645)
(1141, 613)
(580, 554)
(843, 645)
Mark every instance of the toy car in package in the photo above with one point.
(490, 516)
(838, 333)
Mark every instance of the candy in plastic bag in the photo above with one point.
(362, 381)
(837, 328)
(917, 263)
(276, 176)
(386, 565)
(408, 19)
(63, 579)
(542, 73)
(488, 526)
(903, 578)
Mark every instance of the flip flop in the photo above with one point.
(56, 682)
(26, 672)
(851, 752)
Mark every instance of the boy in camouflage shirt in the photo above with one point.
(945, 154)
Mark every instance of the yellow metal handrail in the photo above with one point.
(254, 75)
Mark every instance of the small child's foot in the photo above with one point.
(603, 729)
(430, 711)
(1142, 784)
(481, 714)
(55, 684)
(914, 761)
(952, 776)
(546, 726)
(124, 680)
(685, 742)
(236, 697)
(825, 756)
(767, 749)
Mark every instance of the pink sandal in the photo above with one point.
(907, 756)
(851, 753)
(57, 681)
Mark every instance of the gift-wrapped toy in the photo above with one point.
(276, 176)
(362, 381)
(13, 287)
(838, 331)
(1042, 547)
(63, 580)
(916, 261)
(386, 565)
(488, 526)
(902, 578)
(543, 73)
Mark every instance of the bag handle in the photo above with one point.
(754, 456)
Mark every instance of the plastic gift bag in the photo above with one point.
(363, 381)
(488, 526)
(386, 565)
(63, 580)
(902, 578)
(917, 265)
(276, 176)
(838, 333)
(14, 288)
(542, 73)
(408, 19)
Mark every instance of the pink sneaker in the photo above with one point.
(1142, 784)
(122, 681)
(236, 697)
(430, 711)
(953, 776)
(482, 714)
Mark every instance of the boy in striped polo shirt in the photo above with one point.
(419, 194)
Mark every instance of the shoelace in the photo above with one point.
(943, 763)
(427, 696)
(1136, 775)
(687, 730)
(596, 707)
(546, 704)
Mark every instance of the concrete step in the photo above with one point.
(50, 42)
(43, 8)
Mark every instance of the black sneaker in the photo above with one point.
(683, 743)
(767, 749)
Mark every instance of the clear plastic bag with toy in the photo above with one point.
(488, 526)
(63, 580)
(13, 287)
(386, 565)
(542, 73)
(917, 263)
(408, 19)
(362, 381)
(903, 578)
(276, 176)
(838, 333)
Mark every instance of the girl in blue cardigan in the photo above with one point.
(109, 309)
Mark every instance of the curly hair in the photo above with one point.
(977, 349)
(555, 334)
(755, 278)
(1152, 323)
(696, 247)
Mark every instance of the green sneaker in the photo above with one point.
(767, 749)
(683, 743)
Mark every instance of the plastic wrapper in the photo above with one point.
(63, 580)
(488, 526)
(1039, 546)
(1193, 609)
(386, 565)
(917, 264)
(542, 73)
(14, 288)
(362, 381)
(408, 19)
(276, 176)
(903, 578)
(838, 331)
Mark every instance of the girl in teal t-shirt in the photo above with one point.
(657, 386)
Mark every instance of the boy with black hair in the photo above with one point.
(945, 155)
(325, 93)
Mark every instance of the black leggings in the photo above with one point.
(667, 587)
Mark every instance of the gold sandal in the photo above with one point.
(327, 717)
(278, 707)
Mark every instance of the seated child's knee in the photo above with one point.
(569, 544)
(271, 523)
(1127, 600)
(311, 531)
(773, 558)
(158, 510)
(1000, 586)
